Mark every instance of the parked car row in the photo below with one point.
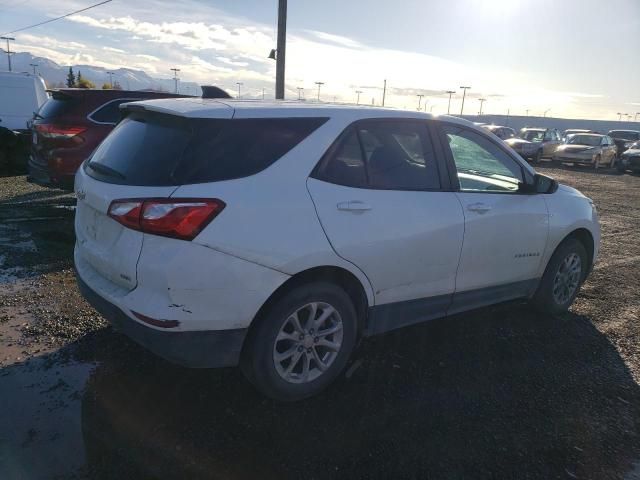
(575, 146)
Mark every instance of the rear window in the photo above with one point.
(626, 135)
(160, 150)
(110, 111)
(56, 106)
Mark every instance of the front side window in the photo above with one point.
(384, 155)
(481, 165)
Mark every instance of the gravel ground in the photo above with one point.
(502, 392)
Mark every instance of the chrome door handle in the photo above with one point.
(353, 206)
(478, 207)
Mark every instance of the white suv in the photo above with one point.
(275, 235)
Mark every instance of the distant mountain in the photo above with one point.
(128, 78)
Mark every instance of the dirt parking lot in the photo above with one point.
(503, 392)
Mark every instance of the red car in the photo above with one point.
(70, 125)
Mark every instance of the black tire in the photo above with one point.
(538, 156)
(620, 167)
(544, 299)
(258, 363)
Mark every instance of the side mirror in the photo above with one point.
(540, 184)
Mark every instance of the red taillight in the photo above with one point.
(59, 131)
(176, 218)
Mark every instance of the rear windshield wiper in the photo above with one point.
(110, 172)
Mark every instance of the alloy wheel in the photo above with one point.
(308, 342)
(567, 278)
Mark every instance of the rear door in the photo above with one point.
(137, 160)
(383, 200)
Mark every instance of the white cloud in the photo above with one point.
(114, 50)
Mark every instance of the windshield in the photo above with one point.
(589, 140)
(624, 135)
(533, 135)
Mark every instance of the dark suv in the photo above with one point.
(70, 125)
(624, 139)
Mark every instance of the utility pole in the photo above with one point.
(358, 92)
(544, 115)
(450, 92)
(175, 77)
(8, 39)
(464, 94)
(420, 95)
(300, 93)
(384, 92)
(319, 85)
(281, 48)
(34, 65)
(111, 74)
(481, 100)
(239, 85)
(527, 112)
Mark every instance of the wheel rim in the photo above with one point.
(567, 278)
(308, 342)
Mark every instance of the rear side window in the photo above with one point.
(160, 150)
(389, 155)
(56, 106)
(110, 111)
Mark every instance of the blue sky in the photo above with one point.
(575, 57)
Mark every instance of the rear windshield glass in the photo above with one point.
(161, 150)
(56, 106)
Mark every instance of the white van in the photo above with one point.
(21, 94)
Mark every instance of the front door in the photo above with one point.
(380, 198)
(505, 230)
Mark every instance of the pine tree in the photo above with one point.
(78, 78)
(71, 78)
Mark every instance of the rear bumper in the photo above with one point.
(40, 174)
(197, 349)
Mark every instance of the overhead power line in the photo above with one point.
(57, 18)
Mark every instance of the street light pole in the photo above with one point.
(635, 119)
(111, 74)
(545, 113)
(281, 48)
(175, 77)
(300, 93)
(481, 100)
(384, 92)
(358, 92)
(420, 95)
(319, 85)
(262, 93)
(8, 39)
(34, 65)
(450, 92)
(464, 94)
(239, 85)
(527, 112)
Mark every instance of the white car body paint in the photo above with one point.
(280, 222)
